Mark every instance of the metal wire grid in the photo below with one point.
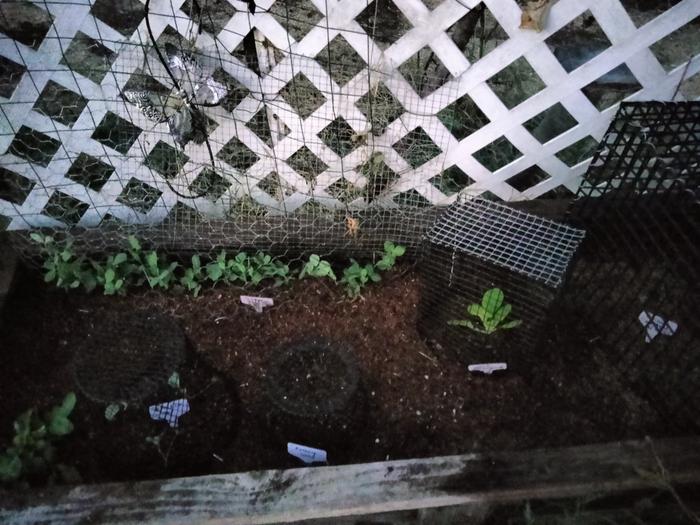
(538, 248)
(639, 204)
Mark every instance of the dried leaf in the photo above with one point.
(534, 14)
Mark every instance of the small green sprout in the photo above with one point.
(355, 277)
(317, 267)
(492, 312)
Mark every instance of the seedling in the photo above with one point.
(157, 271)
(492, 312)
(317, 267)
(32, 449)
(194, 275)
(113, 275)
(62, 265)
(355, 277)
(391, 253)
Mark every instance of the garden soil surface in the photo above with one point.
(416, 400)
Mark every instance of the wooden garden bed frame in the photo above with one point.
(440, 490)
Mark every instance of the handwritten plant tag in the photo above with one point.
(655, 325)
(307, 454)
(487, 368)
(257, 303)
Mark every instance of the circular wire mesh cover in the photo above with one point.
(312, 378)
(128, 357)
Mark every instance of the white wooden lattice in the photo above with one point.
(630, 45)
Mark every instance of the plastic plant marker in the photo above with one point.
(655, 325)
(257, 303)
(169, 411)
(307, 454)
(487, 368)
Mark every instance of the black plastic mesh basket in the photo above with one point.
(489, 275)
(639, 270)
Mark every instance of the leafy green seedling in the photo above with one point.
(355, 277)
(391, 253)
(317, 267)
(263, 266)
(492, 312)
(32, 448)
(193, 277)
(157, 271)
(113, 275)
(61, 265)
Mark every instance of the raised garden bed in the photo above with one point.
(417, 400)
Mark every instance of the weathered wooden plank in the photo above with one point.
(412, 491)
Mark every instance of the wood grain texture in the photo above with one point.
(434, 490)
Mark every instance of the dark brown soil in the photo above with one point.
(415, 401)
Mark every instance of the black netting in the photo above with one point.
(128, 357)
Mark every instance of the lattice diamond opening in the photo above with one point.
(463, 117)
(306, 164)
(34, 146)
(88, 57)
(236, 91)
(65, 208)
(14, 187)
(451, 181)
(643, 12)
(612, 87)
(378, 174)
(90, 172)
(677, 47)
(551, 123)
(141, 80)
(302, 95)
(477, 33)
(116, 133)
(340, 60)
(260, 125)
(497, 154)
(166, 160)
(516, 83)
(298, 17)
(579, 151)
(209, 183)
(412, 199)
(272, 185)
(424, 72)
(237, 155)
(341, 138)
(213, 18)
(344, 190)
(383, 14)
(417, 147)
(567, 43)
(122, 15)
(139, 196)
(528, 178)
(380, 107)
(60, 104)
(10, 76)
(25, 22)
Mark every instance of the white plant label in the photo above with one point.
(258, 303)
(170, 411)
(655, 325)
(307, 454)
(487, 368)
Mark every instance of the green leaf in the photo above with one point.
(458, 322)
(501, 314)
(477, 310)
(174, 380)
(120, 258)
(111, 411)
(60, 426)
(214, 271)
(134, 243)
(109, 275)
(10, 467)
(399, 250)
(50, 275)
(152, 259)
(37, 237)
(388, 246)
(492, 300)
(67, 405)
(314, 259)
(511, 324)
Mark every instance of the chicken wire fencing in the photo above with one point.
(289, 125)
(490, 274)
(635, 286)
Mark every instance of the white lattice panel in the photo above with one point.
(46, 169)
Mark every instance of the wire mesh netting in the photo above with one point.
(636, 283)
(128, 357)
(489, 275)
(290, 119)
